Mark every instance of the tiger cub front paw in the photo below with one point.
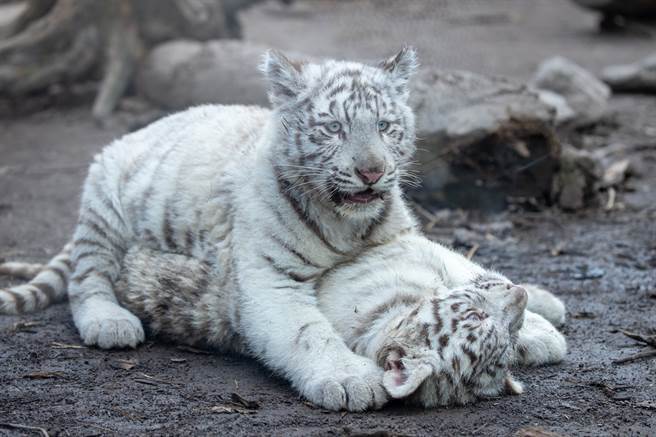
(538, 342)
(546, 304)
(355, 385)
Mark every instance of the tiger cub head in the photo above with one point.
(456, 348)
(344, 133)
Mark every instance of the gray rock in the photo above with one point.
(182, 73)
(481, 139)
(637, 77)
(586, 95)
(575, 183)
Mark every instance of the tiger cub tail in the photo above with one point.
(48, 285)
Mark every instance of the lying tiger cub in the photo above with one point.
(441, 329)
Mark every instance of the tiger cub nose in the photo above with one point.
(369, 176)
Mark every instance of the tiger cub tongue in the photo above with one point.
(366, 196)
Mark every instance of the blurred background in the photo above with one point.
(511, 99)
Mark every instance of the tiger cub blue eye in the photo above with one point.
(334, 127)
(383, 125)
(475, 316)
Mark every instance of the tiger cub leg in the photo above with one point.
(545, 303)
(99, 245)
(538, 342)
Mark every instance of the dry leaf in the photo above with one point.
(57, 345)
(193, 350)
(239, 400)
(535, 432)
(558, 248)
(24, 326)
(615, 173)
(44, 375)
(231, 409)
(124, 364)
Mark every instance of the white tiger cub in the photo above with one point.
(271, 198)
(444, 329)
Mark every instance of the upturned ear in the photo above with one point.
(401, 66)
(402, 379)
(284, 77)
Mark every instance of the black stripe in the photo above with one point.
(92, 243)
(78, 278)
(106, 225)
(18, 299)
(302, 330)
(106, 201)
(293, 251)
(378, 221)
(189, 241)
(167, 228)
(302, 217)
(95, 227)
(46, 289)
(59, 272)
(68, 262)
(338, 89)
(290, 274)
(372, 316)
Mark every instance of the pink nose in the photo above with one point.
(369, 176)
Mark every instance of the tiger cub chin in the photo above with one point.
(441, 329)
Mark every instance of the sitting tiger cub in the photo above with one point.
(442, 329)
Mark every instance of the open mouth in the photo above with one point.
(361, 197)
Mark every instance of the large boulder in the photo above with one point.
(482, 140)
(182, 73)
(637, 77)
(585, 96)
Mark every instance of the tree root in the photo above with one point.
(46, 34)
(62, 67)
(124, 50)
(62, 41)
(35, 9)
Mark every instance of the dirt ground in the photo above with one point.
(601, 263)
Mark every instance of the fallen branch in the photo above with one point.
(646, 339)
(638, 356)
(40, 430)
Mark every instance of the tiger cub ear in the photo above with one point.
(402, 376)
(401, 67)
(284, 77)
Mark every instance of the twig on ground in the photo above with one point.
(40, 430)
(57, 345)
(44, 375)
(472, 251)
(638, 356)
(193, 350)
(24, 326)
(646, 339)
(151, 380)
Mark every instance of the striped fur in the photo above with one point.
(407, 305)
(268, 201)
(273, 198)
(48, 284)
